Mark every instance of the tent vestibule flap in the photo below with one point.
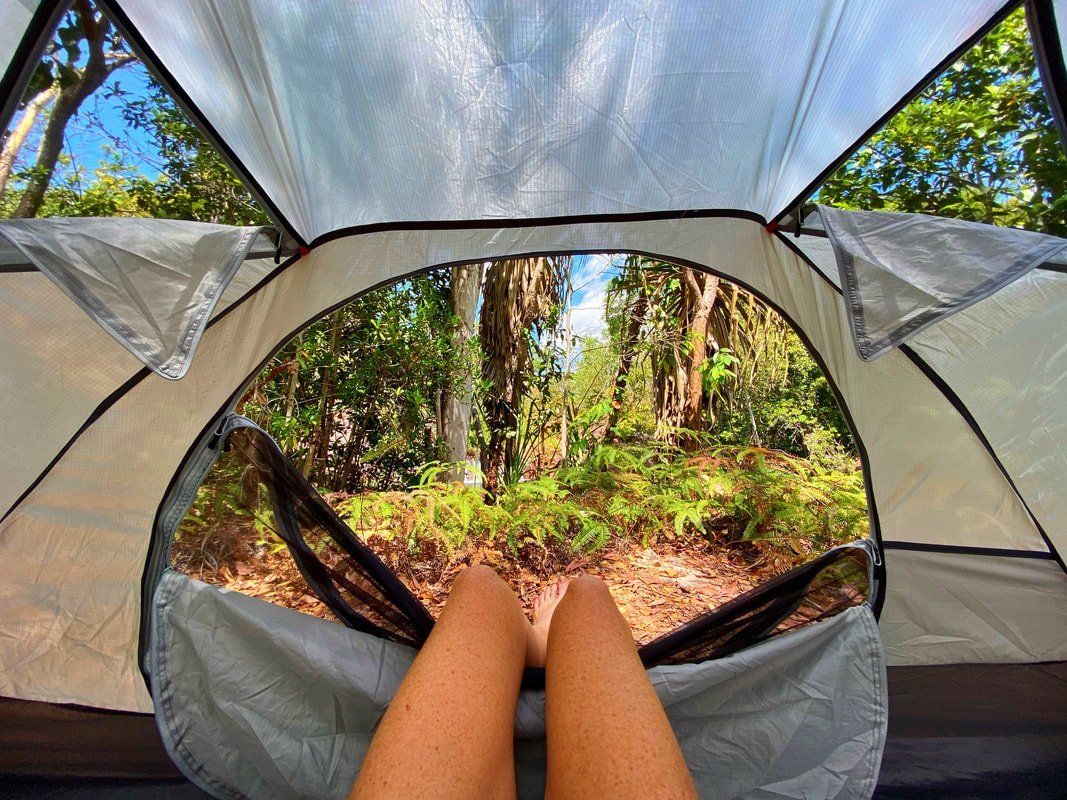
(902, 272)
(150, 283)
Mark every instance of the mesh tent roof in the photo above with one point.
(450, 110)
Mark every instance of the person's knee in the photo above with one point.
(477, 577)
(588, 591)
(480, 584)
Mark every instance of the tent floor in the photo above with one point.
(16, 788)
(956, 732)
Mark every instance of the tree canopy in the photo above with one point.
(979, 144)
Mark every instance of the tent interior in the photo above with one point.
(385, 139)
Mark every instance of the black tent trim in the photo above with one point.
(24, 60)
(916, 90)
(158, 544)
(1048, 49)
(923, 547)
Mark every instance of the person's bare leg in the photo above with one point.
(608, 735)
(449, 731)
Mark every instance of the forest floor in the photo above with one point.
(656, 587)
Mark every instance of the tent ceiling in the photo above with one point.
(348, 114)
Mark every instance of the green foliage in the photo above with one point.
(793, 501)
(637, 492)
(979, 144)
(359, 409)
(195, 183)
(795, 412)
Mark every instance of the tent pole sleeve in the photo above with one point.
(1049, 52)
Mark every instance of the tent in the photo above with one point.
(385, 139)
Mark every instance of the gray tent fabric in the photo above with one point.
(257, 701)
(150, 283)
(16, 15)
(903, 272)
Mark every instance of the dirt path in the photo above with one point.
(657, 588)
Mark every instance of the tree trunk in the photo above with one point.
(320, 444)
(294, 380)
(564, 389)
(459, 394)
(98, 67)
(626, 358)
(17, 138)
(516, 293)
(703, 290)
(329, 386)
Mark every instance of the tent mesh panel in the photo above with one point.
(817, 590)
(358, 588)
(363, 593)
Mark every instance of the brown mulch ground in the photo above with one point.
(656, 588)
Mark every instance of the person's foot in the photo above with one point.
(544, 607)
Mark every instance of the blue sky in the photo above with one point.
(100, 127)
(590, 278)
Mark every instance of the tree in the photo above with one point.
(979, 144)
(520, 297)
(634, 305)
(194, 182)
(16, 138)
(350, 399)
(65, 79)
(464, 290)
(671, 312)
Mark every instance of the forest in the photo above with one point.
(610, 413)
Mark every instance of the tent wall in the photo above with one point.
(58, 369)
(1013, 403)
(950, 607)
(75, 550)
(56, 366)
(1006, 359)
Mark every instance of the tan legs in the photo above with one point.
(607, 733)
(449, 731)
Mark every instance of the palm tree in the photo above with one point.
(684, 321)
(521, 297)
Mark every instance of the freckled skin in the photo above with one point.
(608, 735)
(449, 731)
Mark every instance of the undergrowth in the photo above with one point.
(639, 492)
